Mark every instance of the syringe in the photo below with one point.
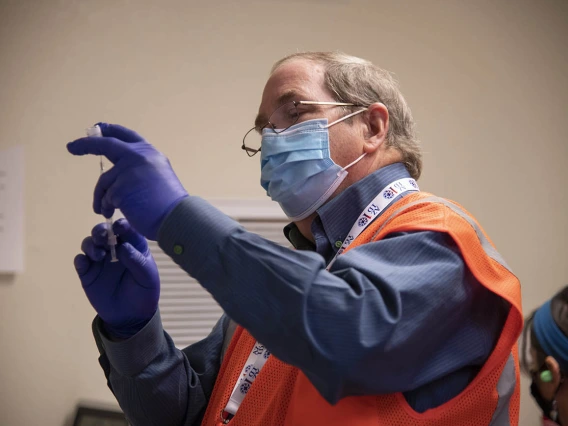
(111, 239)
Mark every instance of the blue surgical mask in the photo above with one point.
(296, 167)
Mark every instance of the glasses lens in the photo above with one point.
(283, 117)
(251, 142)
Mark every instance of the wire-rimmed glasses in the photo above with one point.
(283, 117)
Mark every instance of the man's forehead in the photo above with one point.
(294, 80)
(296, 76)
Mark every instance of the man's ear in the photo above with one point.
(377, 127)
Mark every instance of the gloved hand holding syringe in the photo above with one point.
(111, 238)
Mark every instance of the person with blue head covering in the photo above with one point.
(545, 357)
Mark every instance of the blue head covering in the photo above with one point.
(550, 337)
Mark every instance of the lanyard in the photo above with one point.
(259, 354)
(374, 209)
(256, 360)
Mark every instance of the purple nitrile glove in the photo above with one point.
(142, 183)
(125, 293)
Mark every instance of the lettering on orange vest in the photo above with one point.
(283, 396)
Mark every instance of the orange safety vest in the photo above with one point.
(282, 395)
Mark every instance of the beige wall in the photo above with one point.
(486, 80)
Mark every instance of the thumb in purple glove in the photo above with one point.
(124, 294)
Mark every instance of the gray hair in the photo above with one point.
(357, 81)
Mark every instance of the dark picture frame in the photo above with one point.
(88, 416)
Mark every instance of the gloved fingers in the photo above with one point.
(111, 148)
(103, 185)
(95, 253)
(127, 234)
(107, 207)
(100, 235)
(82, 264)
(87, 270)
(120, 132)
(141, 269)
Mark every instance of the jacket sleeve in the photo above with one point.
(154, 382)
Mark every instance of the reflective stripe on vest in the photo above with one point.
(505, 389)
(487, 247)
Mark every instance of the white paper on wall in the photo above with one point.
(12, 209)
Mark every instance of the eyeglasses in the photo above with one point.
(284, 117)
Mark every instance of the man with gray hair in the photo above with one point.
(394, 309)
